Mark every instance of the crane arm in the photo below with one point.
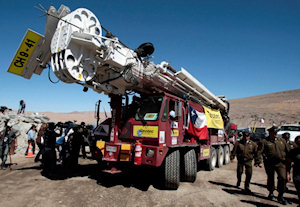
(79, 53)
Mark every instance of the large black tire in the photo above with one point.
(220, 155)
(172, 170)
(226, 155)
(211, 162)
(190, 166)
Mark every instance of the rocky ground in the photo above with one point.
(24, 185)
(21, 123)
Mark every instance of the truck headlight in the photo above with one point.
(149, 152)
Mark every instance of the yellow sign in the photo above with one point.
(214, 118)
(205, 152)
(145, 131)
(125, 152)
(100, 145)
(174, 133)
(24, 52)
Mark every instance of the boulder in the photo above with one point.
(21, 123)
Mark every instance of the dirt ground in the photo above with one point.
(24, 185)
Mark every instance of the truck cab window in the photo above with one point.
(149, 108)
(165, 112)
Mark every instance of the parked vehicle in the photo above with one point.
(258, 133)
(293, 129)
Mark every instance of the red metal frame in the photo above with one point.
(158, 148)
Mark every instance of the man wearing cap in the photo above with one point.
(245, 150)
(286, 137)
(273, 151)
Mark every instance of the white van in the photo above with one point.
(293, 129)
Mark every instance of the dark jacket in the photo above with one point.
(11, 135)
(294, 156)
(272, 150)
(50, 139)
(244, 150)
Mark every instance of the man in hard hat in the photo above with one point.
(246, 151)
(273, 151)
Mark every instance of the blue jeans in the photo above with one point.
(4, 149)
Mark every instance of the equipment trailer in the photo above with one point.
(172, 122)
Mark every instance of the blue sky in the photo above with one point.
(236, 48)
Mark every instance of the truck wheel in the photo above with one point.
(220, 159)
(190, 166)
(226, 155)
(172, 170)
(211, 162)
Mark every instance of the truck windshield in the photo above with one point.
(149, 108)
(260, 130)
(290, 128)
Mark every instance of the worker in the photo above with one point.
(22, 107)
(74, 143)
(67, 143)
(49, 155)
(286, 137)
(72, 147)
(31, 137)
(294, 161)
(246, 151)
(132, 108)
(273, 151)
(172, 115)
(7, 135)
(84, 133)
(40, 141)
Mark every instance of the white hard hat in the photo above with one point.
(172, 114)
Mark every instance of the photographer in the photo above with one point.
(6, 138)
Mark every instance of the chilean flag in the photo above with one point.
(197, 124)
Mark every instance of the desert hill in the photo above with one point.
(280, 107)
(86, 116)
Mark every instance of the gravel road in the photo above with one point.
(24, 185)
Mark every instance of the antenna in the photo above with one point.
(42, 9)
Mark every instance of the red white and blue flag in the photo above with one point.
(197, 123)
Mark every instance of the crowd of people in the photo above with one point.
(276, 154)
(65, 138)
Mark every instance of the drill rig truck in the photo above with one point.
(160, 116)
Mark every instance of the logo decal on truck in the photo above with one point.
(206, 153)
(145, 131)
(174, 133)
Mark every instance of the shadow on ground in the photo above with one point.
(233, 190)
(138, 177)
(258, 204)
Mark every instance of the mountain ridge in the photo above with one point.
(275, 108)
